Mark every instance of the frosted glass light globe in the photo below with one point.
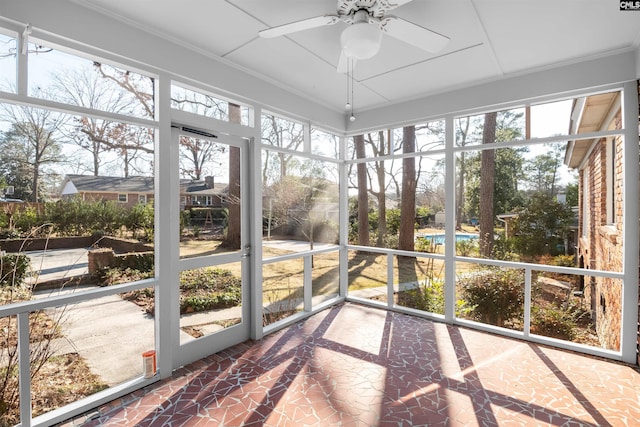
(361, 40)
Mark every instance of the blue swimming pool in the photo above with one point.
(438, 239)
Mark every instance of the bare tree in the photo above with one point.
(34, 134)
(195, 153)
(280, 133)
(379, 147)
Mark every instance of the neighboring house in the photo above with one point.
(202, 193)
(132, 190)
(600, 211)
(128, 191)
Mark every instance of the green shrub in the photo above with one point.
(554, 323)
(9, 233)
(424, 244)
(140, 218)
(13, 269)
(208, 279)
(140, 261)
(564, 261)
(4, 220)
(494, 296)
(504, 249)
(393, 220)
(467, 247)
(209, 288)
(428, 296)
(114, 276)
(26, 219)
(76, 217)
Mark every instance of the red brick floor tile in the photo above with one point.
(356, 366)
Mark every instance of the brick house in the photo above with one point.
(129, 191)
(202, 193)
(132, 190)
(599, 163)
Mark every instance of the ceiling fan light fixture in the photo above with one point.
(361, 40)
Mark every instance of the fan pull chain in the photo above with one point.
(347, 106)
(352, 117)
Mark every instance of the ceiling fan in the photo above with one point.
(367, 21)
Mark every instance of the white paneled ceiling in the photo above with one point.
(489, 40)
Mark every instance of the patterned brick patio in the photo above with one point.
(358, 366)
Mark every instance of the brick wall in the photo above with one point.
(132, 198)
(601, 249)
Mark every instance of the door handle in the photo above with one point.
(247, 251)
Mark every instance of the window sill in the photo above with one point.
(609, 232)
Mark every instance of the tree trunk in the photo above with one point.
(408, 199)
(382, 206)
(232, 237)
(487, 177)
(35, 185)
(460, 197)
(461, 174)
(382, 197)
(363, 196)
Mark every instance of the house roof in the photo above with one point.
(589, 114)
(201, 188)
(107, 184)
(133, 184)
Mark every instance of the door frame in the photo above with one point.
(182, 354)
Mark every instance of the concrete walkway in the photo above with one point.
(54, 264)
(109, 333)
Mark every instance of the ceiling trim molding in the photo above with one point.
(567, 80)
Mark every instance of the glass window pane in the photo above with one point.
(430, 136)
(207, 105)
(210, 300)
(300, 203)
(532, 204)
(8, 63)
(326, 276)
(420, 284)
(82, 192)
(492, 295)
(551, 119)
(577, 308)
(64, 77)
(595, 113)
(206, 197)
(9, 355)
(368, 275)
(325, 144)
(86, 347)
(380, 185)
(282, 289)
(282, 133)
(509, 126)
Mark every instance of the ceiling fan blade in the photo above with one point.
(413, 34)
(293, 27)
(397, 3)
(343, 63)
